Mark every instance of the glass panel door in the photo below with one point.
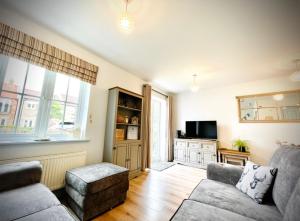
(158, 128)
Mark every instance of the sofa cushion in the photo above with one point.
(292, 211)
(26, 200)
(228, 197)
(55, 213)
(96, 177)
(19, 174)
(286, 160)
(256, 180)
(194, 211)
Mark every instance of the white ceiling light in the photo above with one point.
(126, 22)
(278, 97)
(296, 75)
(195, 86)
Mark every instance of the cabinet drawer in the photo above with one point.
(179, 143)
(209, 147)
(194, 145)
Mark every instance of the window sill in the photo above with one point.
(52, 141)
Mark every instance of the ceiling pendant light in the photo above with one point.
(126, 22)
(296, 75)
(195, 86)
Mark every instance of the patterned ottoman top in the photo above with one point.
(97, 177)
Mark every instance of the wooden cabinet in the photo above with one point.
(195, 152)
(124, 114)
(128, 155)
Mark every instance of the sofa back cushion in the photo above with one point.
(286, 160)
(292, 211)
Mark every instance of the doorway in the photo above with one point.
(159, 122)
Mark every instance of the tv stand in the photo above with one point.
(195, 152)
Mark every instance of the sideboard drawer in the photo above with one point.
(194, 145)
(209, 147)
(179, 143)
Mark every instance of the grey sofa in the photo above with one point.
(23, 198)
(217, 198)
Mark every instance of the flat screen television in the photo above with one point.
(201, 129)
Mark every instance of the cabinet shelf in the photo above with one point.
(129, 108)
(125, 124)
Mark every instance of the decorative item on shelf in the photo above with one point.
(241, 145)
(126, 119)
(135, 120)
(132, 133)
(120, 134)
(120, 119)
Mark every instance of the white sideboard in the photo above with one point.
(195, 152)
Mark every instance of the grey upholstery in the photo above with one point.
(194, 211)
(96, 188)
(224, 173)
(31, 200)
(292, 210)
(287, 160)
(26, 200)
(228, 197)
(96, 177)
(218, 193)
(19, 174)
(55, 213)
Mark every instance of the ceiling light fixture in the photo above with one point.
(126, 22)
(195, 86)
(296, 75)
(278, 97)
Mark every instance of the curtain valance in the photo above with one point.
(20, 45)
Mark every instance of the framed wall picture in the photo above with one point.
(132, 132)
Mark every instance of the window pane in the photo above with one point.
(28, 116)
(56, 117)
(61, 86)
(35, 79)
(74, 89)
(15, 75)
(9, 104)
(70, 116)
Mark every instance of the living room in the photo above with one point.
(148, 67)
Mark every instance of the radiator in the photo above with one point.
(55, 166)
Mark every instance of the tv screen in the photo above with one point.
(201, 129)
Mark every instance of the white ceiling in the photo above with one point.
(224, 42)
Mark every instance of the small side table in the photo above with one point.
(234, 157)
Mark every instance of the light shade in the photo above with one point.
(278, 97)
(126, 23)
(194, 88)
(295, 76)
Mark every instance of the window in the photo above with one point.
(3, 122)
(40, 103)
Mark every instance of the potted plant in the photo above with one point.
(241, 145)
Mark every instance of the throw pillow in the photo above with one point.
(256, 180)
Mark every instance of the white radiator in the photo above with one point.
(55, 166)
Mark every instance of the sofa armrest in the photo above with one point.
(225, 173)
(15, 175)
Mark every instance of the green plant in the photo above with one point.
(242, 145)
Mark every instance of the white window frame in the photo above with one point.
(44, 108)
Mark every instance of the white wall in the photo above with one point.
(220, 104)
(109, 76)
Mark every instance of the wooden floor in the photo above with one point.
(155, 196)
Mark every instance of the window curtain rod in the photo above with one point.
(160, 93)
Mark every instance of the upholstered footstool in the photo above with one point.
(96, 188)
